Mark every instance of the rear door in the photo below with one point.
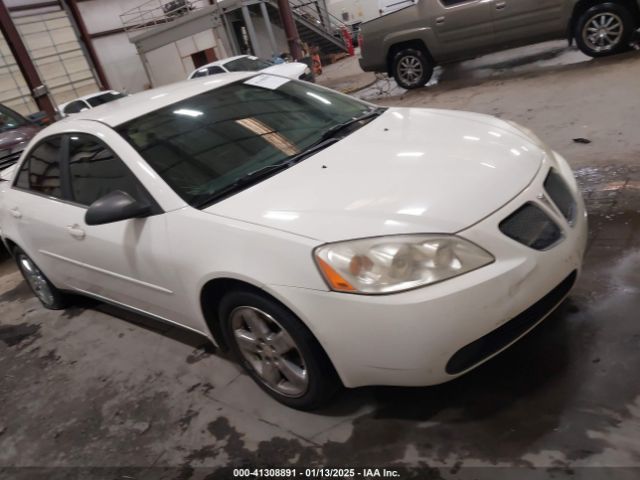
(522, 22)
(464, 28)
(39, 215)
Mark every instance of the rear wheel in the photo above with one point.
(604, 29)
(412, 68)
(277, 350)
(42, 288)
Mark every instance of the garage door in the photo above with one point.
(58, 56)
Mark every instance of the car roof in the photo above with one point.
(124, 109)
(220, 62)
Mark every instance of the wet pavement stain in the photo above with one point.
(204, 351)
(18, 293)
(13, 335)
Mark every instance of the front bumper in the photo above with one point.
(410, 338)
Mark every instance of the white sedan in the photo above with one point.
(88, 102)
(323, 240)
(247, 63)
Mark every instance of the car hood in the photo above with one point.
(13, 138)
(292, 70)
(408, 171)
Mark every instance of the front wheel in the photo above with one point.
(277, 350)
(412, 68)
(604, 29)
(47, 293)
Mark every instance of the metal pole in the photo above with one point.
(86, 43)
(290, 29)
(220, 24)
(27, 68)
(145, 65)
(248, 22)
(231, 34)
(269, 27)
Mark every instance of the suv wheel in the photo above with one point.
(412, 68)
(42, 288)
(277, 350)
(604, 29)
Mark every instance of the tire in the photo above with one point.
(40, 285)
(412, 68)
(604, 29)
(286, 361)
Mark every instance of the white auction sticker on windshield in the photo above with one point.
(267, 81)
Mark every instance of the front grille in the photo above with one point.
(559, 192)
(496, 340)
(7, 160)
(532, 227)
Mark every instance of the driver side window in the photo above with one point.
(94, 171)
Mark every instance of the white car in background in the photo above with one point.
(247, 63)
(89, 101)
(235, 207)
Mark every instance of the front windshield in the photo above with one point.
(104, 98)
(10, 120)
(247, 64)
(202, 145)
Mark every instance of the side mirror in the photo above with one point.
(115, 207)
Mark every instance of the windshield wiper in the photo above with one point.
(369, 115)
(256, 176)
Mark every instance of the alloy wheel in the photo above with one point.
(410, 69)
(37, 281)
(270, 351)
(603, 31)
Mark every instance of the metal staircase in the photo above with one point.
(316, 25)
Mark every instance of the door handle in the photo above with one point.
(76, 232)
(440, 21)
(501, 5)
(15, 213)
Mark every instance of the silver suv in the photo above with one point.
(409, 43)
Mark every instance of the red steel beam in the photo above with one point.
(290, 29)
(86, 39)
(33, 6)
(28, 69)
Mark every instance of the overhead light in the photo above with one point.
(276, 139)
(188, 113)
(279, 215)
(318, 97)
(410, 154)
(414, 211)
(469, 137)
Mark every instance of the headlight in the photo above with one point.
(307, 71)
(396, 263)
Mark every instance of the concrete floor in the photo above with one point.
(93, 386)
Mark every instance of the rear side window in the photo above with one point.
(95, 170)
(75, 107)
(40, 172)
(203, 72)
